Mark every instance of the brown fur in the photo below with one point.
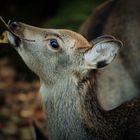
(107, 125)
(80, 44)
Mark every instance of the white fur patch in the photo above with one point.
(11, 38)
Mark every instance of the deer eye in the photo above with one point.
(54, 44)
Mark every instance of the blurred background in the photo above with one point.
(19, 98)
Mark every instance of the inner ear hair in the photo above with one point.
(101, 38)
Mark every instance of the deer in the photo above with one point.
(68, 66)
(119, 18)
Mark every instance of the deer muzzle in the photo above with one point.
(15, 33)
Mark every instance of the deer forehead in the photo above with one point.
(77, 41)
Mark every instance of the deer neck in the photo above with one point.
(71, 105)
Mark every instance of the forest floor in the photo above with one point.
(20, 105)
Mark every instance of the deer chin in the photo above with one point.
(13, 39)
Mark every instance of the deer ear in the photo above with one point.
(102, 52)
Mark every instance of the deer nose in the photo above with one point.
(14, 25)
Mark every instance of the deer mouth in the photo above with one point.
(15, 32)
(12, 35)
(14, 40)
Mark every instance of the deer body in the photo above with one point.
(67, 66)
(121, 19)
(74, 113)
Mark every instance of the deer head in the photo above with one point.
(52, 53)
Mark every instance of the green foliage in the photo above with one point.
(71, 14)
(4, 118)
